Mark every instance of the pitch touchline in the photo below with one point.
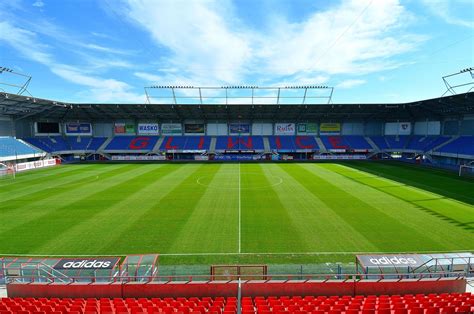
(245, 253)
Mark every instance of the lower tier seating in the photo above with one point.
(396, 304)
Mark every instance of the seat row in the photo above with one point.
(396, 304)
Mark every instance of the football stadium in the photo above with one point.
(277, 197)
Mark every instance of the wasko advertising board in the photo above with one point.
(148, 129)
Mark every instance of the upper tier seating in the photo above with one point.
(397, 142)
(185, 143)
(380, 142)
(384, 304)
(347, 142)
(70, 143)
(85, 142)
(10, 146)
(132, 143)
(425, 143)
(239, 143)
(292, 143)
(464, 145)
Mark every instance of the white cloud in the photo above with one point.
(100, 89)
(350, 83)
(205, 40)
(38, 3)
(459, 12)
(198, 34)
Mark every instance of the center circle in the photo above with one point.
(228, 183)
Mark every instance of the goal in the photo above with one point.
(7, 171)
(466, 170)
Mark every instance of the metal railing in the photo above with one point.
(234, 279)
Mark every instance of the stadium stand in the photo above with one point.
(292, 143)
(380, 142)
(70, 143)
(239, 143)
(192, 143)
(349, 142)
(10, 146)
(464, 145)
(397, 142)
(133, 143)
(384, 304)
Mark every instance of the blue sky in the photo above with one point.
(108, 50)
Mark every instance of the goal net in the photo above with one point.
(7, 171)
(466, 170)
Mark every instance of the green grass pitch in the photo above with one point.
(236, 213)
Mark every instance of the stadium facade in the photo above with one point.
(436, 131)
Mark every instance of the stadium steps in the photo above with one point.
(445, 143)
(322, 148)
(105, 144)
(372, 143)
(266, 145)
(212, 145)
(157, 146)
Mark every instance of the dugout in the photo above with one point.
(414, 265)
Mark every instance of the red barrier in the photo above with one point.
(301, 288)
(249, 288)
(410, 286)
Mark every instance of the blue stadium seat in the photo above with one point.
(464, 145)
(197, 143)
(10, 146)
(132, 143)
(239, 143)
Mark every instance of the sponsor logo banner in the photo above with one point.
(171, 128)
(194, 128)
(123, 128)
(392, 260)
(307, 128)
(239, 128)
(148, 129)
(404, 128)
(337, 157)
(285, 129)
(78, 128)
(86, 263)
(138, 157)
(35, 164)
(330, 128)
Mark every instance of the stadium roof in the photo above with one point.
(22, 107)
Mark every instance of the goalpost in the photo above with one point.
(7, 171)
(466, 170)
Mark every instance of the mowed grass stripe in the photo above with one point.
(132, 203)
(453, 209)
(442, 234)
(49, 196)
(214, 217)
(27, 179)
(80, 203)
(266, 222)
(385, 232)
(316, 222)
(438, 181)
(161, 223)
(36, 190)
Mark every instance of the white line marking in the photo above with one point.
(246, 253)
(240, 215)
